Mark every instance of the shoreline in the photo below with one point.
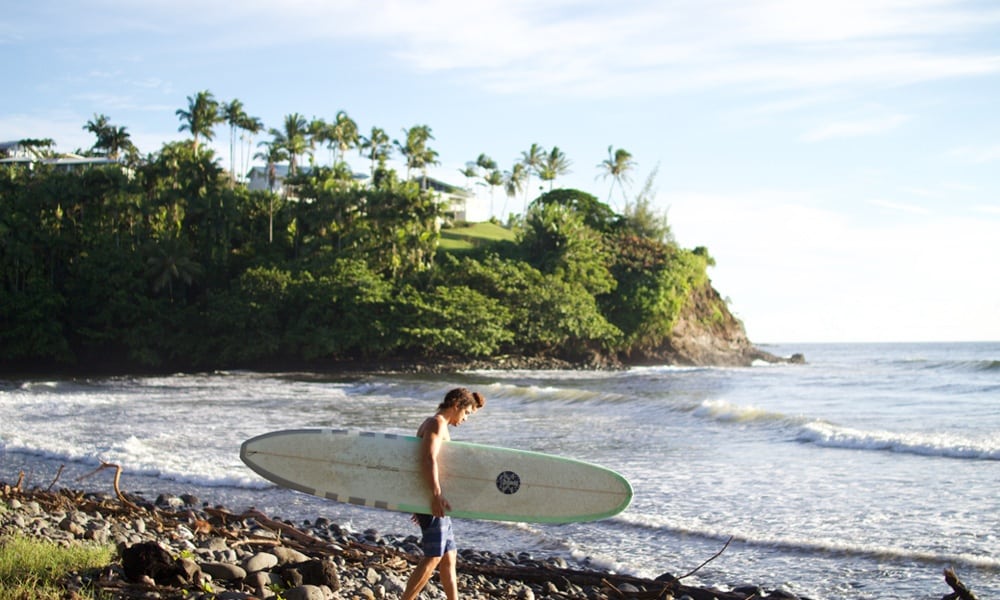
(340, 369)
(178, 547)
(357, 367)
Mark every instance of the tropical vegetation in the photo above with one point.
(169, 262)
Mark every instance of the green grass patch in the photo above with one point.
(474, 235)
(31, 569)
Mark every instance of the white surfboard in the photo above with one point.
(480, 482)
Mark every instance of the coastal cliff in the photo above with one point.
(707, 334)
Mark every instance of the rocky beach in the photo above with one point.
(178, 547)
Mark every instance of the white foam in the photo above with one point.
(925, 444)
(814, 544)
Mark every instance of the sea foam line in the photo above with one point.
(222, 475)
(816, 545)
(924, 444)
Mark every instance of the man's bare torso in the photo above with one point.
(436, 424)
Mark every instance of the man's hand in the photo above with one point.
(439, 505)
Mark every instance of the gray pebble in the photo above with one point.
(224, 571)
(305, 592)
(262, 561)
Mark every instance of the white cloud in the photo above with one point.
(844, 20)
(977, 154)
(899, 207)
(856, 128)
(66, 128)
(798, 272)
(680, 46)
(588, 47)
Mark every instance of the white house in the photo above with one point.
(14, 153)
(454, 197)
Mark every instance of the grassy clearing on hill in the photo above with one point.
(474, 234)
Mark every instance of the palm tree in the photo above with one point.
(486, 163)
(470, 172)
(555, 164)
(617, 166)
(272, 154)
(234, 116)
(111, 140)
(101, 127)
(294, 139)
(98, 126)
(493, 179)
(428, 157)
(415, 150)
(250, 126)
(376, 147)
(201, 116)
(533, 160)
(116, 140)
(344, 133)
(491, 176)
(514, 181)
(319, 134)
(171, 260)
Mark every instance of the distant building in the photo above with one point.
(15, 153)
(455, 198)
(258, 180)
(14, 150)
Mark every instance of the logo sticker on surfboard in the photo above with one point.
(508, 482)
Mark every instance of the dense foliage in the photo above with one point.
(170, 264)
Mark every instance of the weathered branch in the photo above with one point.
(714, 556)
(961, 592)
(118, 490)
(56, 478)
(296, 534)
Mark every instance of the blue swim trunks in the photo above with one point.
(438, 538)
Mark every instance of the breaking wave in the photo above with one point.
(924, 444)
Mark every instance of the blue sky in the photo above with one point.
(840, 160)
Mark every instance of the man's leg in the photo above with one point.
(420, 576)
(449, 579)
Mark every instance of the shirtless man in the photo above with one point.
(438, 541)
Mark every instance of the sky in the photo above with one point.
(840, 160)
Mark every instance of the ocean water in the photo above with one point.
(861, 474)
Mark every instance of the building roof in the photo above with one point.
(61, 161)
(445, 188)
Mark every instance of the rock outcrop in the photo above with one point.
(707, 334)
